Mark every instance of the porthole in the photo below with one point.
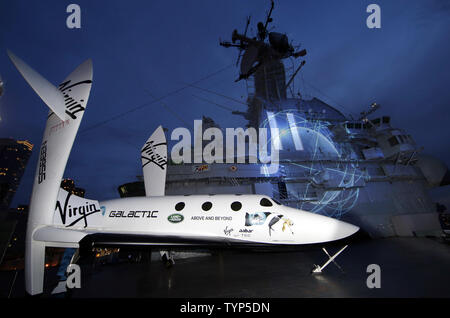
(236, 206)
(206, 206)
(179, 206)
(265, 202)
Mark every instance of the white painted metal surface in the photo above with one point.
(68, 102)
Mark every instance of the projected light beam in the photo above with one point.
(317, 143)
(274, 131)
(294, 132)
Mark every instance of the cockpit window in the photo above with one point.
(236, 206)
(207, 206)
(276, 201)
(179, 206)
(265, 202)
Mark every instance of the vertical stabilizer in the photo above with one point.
(154, 163)
(68, 102)
(51, 95)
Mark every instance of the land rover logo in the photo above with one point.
(175, 218)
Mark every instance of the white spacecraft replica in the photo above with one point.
(60, 219)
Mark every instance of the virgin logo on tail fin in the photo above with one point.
(154, 163)
(60, 100)
(72, 105)
(150, 154)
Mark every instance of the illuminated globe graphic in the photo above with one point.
(318, 174)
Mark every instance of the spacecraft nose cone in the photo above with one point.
(347, 229)
(316, 228)
(337, 229)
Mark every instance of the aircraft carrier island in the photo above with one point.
(362, 168)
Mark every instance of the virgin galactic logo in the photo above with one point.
(70, 213)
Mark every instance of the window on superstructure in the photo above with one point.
(282, 190)
(393, 141)
(410, 138)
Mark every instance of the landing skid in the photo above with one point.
(318, 269)
(167, 258)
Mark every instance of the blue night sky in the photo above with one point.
(142, 50)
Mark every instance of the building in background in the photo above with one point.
(13, 225)
(132, 189)
(14, 156)
(69, 186)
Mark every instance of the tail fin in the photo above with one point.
(48, 92)
(68, 102)
(154, 163)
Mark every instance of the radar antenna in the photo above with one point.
(257, 51)
(240, 48)
(262, 28)
(373, 108)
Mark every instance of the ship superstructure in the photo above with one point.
(362, 168)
